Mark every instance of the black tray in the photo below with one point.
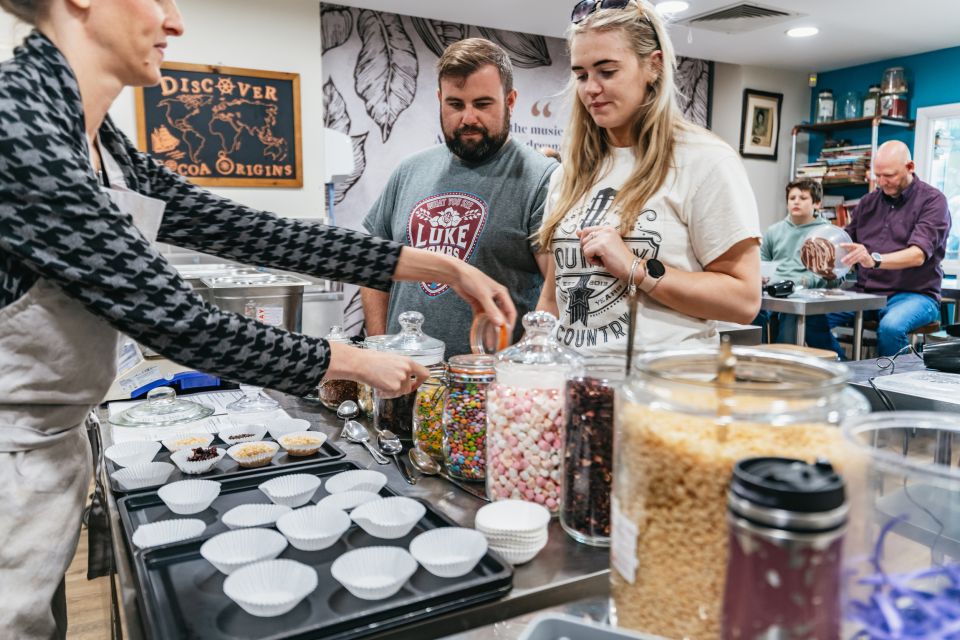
(181, 594)
(228, 467)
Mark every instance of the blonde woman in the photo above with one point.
(642, 196)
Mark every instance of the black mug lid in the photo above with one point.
(788, 484)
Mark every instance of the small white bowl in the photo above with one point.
(284, 426)
(187, 440)
(388, 518)
(253, 432)
(254, 515)
(189, 496)
(231, 550)
(291, 491)
(167, 531)
(127, 454)
(374, 573)
(259, 460)
(518, 556)
(270, 588)
(194, 468)
(348, 500)
(512, 516)
(357, 480)
(302, 449)
(313, 528)
(449, 552)
(139, 476)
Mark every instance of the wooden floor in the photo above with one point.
(88, 601)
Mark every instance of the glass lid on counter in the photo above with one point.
(162, 408)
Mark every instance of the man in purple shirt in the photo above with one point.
(899, 235)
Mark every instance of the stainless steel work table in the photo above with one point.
(813, 302)
(563, 572)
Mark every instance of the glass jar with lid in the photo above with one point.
(849, 106)
(871, 102)
(525, 415)
(332, 392)
(894, 80)
(465, 416)
(428, 413)
(588, 451)
(683, 420)
(396, 414)
(825, 106)
(365, 391)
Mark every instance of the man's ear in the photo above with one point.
(511, 99)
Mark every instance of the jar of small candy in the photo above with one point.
(428, 413)
(465, 416)
(365, 391)
(334, 392)
(588, 451)
(396, 414)
(525, 415)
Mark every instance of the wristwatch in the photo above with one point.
(655, 271)
(877, 259)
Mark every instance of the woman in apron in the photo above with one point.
(79, 209)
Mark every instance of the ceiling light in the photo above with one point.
(803, 32)
(672, 6)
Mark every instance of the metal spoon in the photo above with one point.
(430, 467)
(356, 432)
(389, 443)
(348, 410)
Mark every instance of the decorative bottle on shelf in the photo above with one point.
(871, 102)
(825, 106)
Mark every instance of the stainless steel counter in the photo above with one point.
(563, 572)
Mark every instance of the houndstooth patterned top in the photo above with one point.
(56, 224)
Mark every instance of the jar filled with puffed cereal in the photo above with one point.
(525, 415)
(428, 413)
(682, 422)
(396, 414)
(465, 416)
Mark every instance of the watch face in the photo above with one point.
(655, 268)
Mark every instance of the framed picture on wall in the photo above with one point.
(760, 124)
(224, 126)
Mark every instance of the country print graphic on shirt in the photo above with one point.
(447, 223)
(591, 301)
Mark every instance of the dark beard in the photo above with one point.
(476, 152)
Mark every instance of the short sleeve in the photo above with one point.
(722, 210)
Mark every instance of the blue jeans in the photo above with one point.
(904, 312)
(787, 326)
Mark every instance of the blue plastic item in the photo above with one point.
(181, 382)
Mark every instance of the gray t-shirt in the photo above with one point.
(482, 213)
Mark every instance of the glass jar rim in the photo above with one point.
(471, 364)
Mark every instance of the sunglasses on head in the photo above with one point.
(585, 7)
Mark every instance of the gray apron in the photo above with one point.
(57, 362)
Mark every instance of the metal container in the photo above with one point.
(194, 274)
(276, 300)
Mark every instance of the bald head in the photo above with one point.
(893, 167)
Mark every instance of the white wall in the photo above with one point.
(767, 177)
(280, 35)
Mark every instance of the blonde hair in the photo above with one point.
(585, 147)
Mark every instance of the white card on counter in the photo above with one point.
(932, 385)
(623, 544)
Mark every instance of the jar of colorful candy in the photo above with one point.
(588, 451)
(428, 413)
(396, 414)
(525, 415)
(465, 416)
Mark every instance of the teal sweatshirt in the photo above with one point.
(781, 243)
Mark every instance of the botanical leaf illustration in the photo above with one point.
(336, 25)
(359, 166)
(335, 114)
(694, 80)
(525, 50)
(438, 35)
(386, 72)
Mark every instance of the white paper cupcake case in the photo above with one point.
(253, 461)
(284, 426)
(270, 588)
(256, 431)
(313, 528)
(170, 443)
(374, 573)
(356, 480)
(512, 516)
(449, 552)
(167, 531)
(293, 491)
(147, 474)
(254, 515)
(302, 450)
(195, 468)
(348, 500)
(517, 556)
(388, 518)
(127, 454)
(234, 549)
(187, 497)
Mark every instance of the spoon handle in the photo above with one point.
(474, 492)
(403, 470)
(376, 454)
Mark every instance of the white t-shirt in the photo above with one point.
(703, 208)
